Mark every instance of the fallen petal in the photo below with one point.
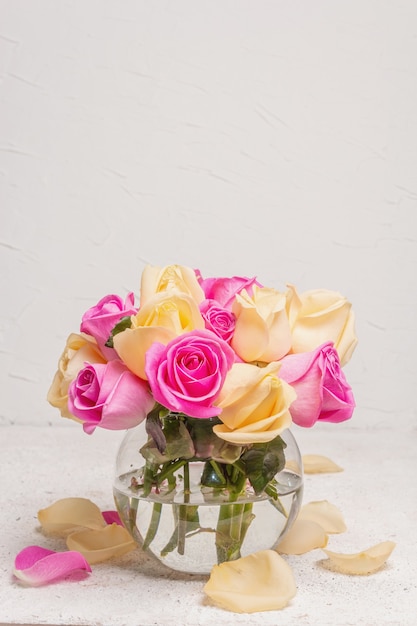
(30, 555)
(112, 517)
(37, 566)
(303, 536)
(294, 466)
(69, 513)
(327, 515)
(318, 464)
(262, 581)
(365, 562)
(101, 544)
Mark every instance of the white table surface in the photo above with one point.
(377, 494)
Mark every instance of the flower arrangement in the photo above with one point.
(218, 369)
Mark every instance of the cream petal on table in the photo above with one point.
(69, 513)
(303, 536)
(262, 581)
(319, 464)
(327, 515)
(103, 544)
(365, 562)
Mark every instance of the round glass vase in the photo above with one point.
(192, 529)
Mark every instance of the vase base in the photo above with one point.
(192, 538)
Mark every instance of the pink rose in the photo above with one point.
(320, 384)
(224, 290)
(217, 319)
(187, 375)
(101, 318)
(110, 396)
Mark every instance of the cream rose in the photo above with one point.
(262, 331)
(254, 404)
(79, 349)
(319, 316)
(162, 318)
(160, 279)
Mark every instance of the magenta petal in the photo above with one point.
(112, 517)
(37, 566)
(30, 555)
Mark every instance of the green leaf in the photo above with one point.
(262, 461)
(125, 322)
(213, 475)
(177, 443)
(207, 444)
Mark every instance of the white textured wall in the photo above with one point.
(276, 138)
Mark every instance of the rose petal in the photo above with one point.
(69, 513)
(245, 435)
(303, 536)
(365, 562)
(101, 544)
(112, 517)
(262, 581)
(318, 464)
(294, 466)
(327, 515)
(37, 566)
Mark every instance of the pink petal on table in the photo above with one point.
(38, 566)
(112, 517)
(30, 555)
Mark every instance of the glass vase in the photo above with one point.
(190, 527)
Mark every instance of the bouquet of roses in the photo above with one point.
(217, 368)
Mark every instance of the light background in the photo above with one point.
(269, 138)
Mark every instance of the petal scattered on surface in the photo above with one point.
(294, 466)
(318, 464)
(101, 544)
(262, 581)
(303, 536)
(112, 517)
(37, 566)
(69, 513)
(327, 515)
(365, 562)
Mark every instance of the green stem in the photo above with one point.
(227, 546)
(247, 518)
(133, 511)
(240, 466)
(234, 518)
(172, 481)
(236, 521)
(148, 478)
(191, 525)
(186, 482)
(169, 469)
(153, 526)
(182, 512)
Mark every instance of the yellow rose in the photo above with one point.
(262, 331)
(254, 404)
(78, 350)
(179, 277)
(162, 318)
(319, 316)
